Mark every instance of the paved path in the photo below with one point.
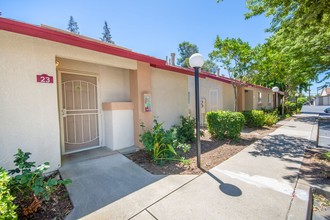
(260, 182)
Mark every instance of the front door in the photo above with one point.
(79, 112)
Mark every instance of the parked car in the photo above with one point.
(327, 110)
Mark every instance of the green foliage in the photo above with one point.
(254, 118)
(185, 50)
(7, 207)
(186, 129)
(162, 144)
(225, 124)
(326, 156)
(298, 51)
(234, 55)
(271, 118)
(106, 36)
(29, 181)
(291, 107)
(73, 26)
(301, 101)
(210, 66)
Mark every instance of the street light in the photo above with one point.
(275, 89)
(196, 61)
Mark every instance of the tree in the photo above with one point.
(106, 36)
(235, 56)
(210, 66)
(185, 50)
(301, 30)
(73, 26)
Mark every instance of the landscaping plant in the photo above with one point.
(29, 183)
(225, 124)
(162, 144)
(7, 207)
(186, 129)
(271, 118)
(254, 118)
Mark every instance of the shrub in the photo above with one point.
(162, 144)
(290, 107)
(254, 118)
(225, 124)
(186, 130)
(271, 118)
(30, 183)
(7, 207)
(301, 101)
(326, 156)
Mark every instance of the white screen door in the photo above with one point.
(79, 112)
(214, 97)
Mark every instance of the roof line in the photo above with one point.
(73, 40)
(60, 36)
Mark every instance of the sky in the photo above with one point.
(151, 27)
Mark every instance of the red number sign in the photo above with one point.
(44, 78)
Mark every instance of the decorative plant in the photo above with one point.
(186, 129)
(225, 124)
(30, 183)
(254, 118)
(271, 118)
(7, 207)
(162, 144)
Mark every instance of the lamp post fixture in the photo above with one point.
(196, 61)
(275, 90)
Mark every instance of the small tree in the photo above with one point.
(235, 56)
(106, 36)
(73, 26)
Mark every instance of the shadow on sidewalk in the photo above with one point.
(226, 188)
(280, 146)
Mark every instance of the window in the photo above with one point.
(259, 97)
(269, 100)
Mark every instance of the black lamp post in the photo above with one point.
(196, 61)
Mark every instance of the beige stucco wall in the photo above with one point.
(29, 110)
(229, 97)
(113, 82)
(264, 98)
(205, 86)
(169, 96)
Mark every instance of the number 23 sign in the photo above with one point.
(44, 78)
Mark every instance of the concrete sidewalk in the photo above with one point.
(260, 182)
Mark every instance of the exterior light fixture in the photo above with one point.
(196, 61)
(275, 89)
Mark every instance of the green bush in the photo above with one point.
(162, 144)
(186, 130)
(254, 118)
(7, 207)
(225, 124)
(29, 182)
(300, 102)
(271, 118)
(290, 107)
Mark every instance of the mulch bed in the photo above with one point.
(58, 206)
(214, 152)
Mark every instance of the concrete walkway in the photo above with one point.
(260, 182)
(99, 181)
